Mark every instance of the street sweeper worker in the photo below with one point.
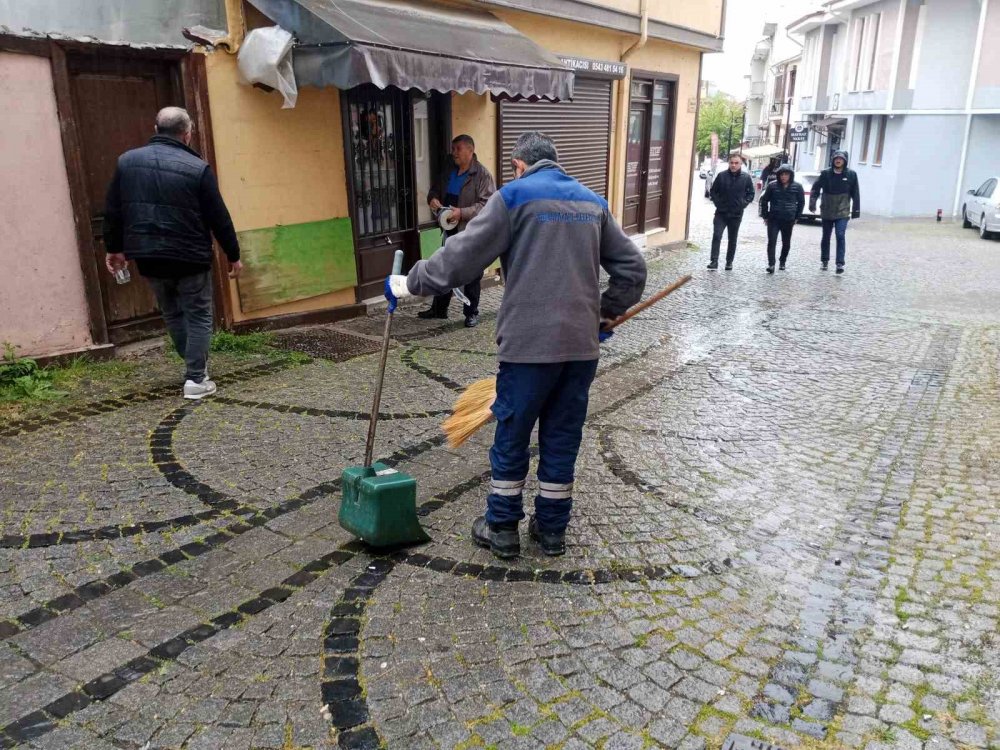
(552, 236)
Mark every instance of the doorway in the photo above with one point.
(115, 100)
(396, 144)
(649, 153)
(378, 138)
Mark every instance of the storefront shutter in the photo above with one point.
(581, 130)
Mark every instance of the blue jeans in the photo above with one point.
(555, 396)
(824, 245)
(186, 305)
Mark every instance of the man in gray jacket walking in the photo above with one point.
(552, 235)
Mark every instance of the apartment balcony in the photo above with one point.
(776, 110)
(762, 50)
(756, 90)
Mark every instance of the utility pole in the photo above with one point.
(743, 134)
(788, 124)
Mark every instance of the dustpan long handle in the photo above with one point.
(397, 268)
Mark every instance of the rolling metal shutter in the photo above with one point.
(581, 130)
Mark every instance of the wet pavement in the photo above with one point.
(785, 527)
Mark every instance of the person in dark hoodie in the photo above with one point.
(841, 201)
(781, 206)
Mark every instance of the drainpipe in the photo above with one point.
(643, 31)
(236, 26)
(623, 93)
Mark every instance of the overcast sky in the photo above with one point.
(744, 24)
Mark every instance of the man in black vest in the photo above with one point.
(163, 207)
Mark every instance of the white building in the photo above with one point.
(911, 89)
(772, 107)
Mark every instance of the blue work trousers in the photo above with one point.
(555, 396)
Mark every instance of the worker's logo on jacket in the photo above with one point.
(567, 217)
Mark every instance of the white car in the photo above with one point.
(807, 180)
(982, 209)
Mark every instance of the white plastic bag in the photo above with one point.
(266, 57)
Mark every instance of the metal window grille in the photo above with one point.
(379, 166)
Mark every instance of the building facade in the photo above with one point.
(323, 193)
(772, 107)
(901, 82)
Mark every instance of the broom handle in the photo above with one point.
(397, 268)
(649, 302)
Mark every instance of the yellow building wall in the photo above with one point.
(277, 166)
(566, 37)
(700, 15)
(476, 115)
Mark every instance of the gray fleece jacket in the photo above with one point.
(552, 236)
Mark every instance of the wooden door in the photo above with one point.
(658, 162)
(648, 156)
(635, 167)
(115, 101)
(378, 128)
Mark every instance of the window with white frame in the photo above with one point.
(881, 122)
(866, 32)
(866, 137)
(857, 49)
(918, 39)
(811, 63)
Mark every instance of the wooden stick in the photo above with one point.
(649, 302)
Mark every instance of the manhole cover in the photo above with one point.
(742, 742)
(325, 343)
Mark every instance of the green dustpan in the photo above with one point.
(379, 503)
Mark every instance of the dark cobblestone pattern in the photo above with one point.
(247, 519)
(105, 685)
(835, 440)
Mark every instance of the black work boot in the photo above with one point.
(552, 543)
(714, 265)
(503, 542)
(432, 314)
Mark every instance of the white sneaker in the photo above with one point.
(195, 391)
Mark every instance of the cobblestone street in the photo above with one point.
(785, 526)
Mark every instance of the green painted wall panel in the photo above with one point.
(288, 263)
(430, 242)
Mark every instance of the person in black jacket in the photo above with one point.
(732, 192)
(781, 205)
(841, 201)
(163, 206)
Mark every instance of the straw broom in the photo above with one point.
(472, 409)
